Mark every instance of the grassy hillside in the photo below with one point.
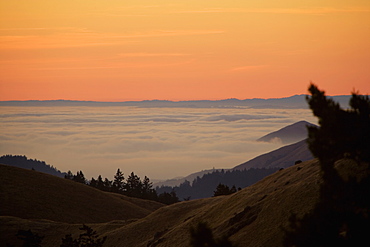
(254, 216)
(30, 194)
(282, 157)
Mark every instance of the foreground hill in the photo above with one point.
(289, 134)
(254, 216)
(30, 194)
(282, 157)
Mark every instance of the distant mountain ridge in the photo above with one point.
(289, 134)
(22, 161)
(292, 102)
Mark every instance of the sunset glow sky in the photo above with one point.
(181, 50)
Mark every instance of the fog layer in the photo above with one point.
(161, 143)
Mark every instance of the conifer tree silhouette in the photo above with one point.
(342, 215)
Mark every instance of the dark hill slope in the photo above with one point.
(254, 216)
(34, 195)
(289, 134)
(282, 157)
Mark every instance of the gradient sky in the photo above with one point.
(182, 50)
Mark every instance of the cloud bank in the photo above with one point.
(158, 142)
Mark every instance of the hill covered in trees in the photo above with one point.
(22, 161)
(132, 186)
(205, 186)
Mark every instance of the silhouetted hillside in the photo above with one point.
(30, 194)
(22, 161)
(289, 134)
(203, 187)
(177, 181)
(254, 216)
(283, 157)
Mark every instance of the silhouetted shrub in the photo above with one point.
(202, 236)
(168, 198)
(87, 239)
(222, 189)
(29, 238)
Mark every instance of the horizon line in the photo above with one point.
(153, 100)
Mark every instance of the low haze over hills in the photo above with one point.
(292, 102)
(282, 157)
(202, 184)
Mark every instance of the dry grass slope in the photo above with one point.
(254, 216)
(30, 194)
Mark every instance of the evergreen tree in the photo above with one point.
(342, 215)
(100, 183)
(133, 185)
(69, 175)
(168, 198)
(93, 183)
(107, 184)
(147, 189)
(118, 182)
(79, 177)
(222, 189)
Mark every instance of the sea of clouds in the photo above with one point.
(160, 143)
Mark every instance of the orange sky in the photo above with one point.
(181, 50)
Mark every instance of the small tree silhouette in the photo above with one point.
(87, 239)
(222, 189)
(118, 182)
(29, 238)
(202, 236)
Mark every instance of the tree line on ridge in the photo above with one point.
(225, 182)
(133, 186)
